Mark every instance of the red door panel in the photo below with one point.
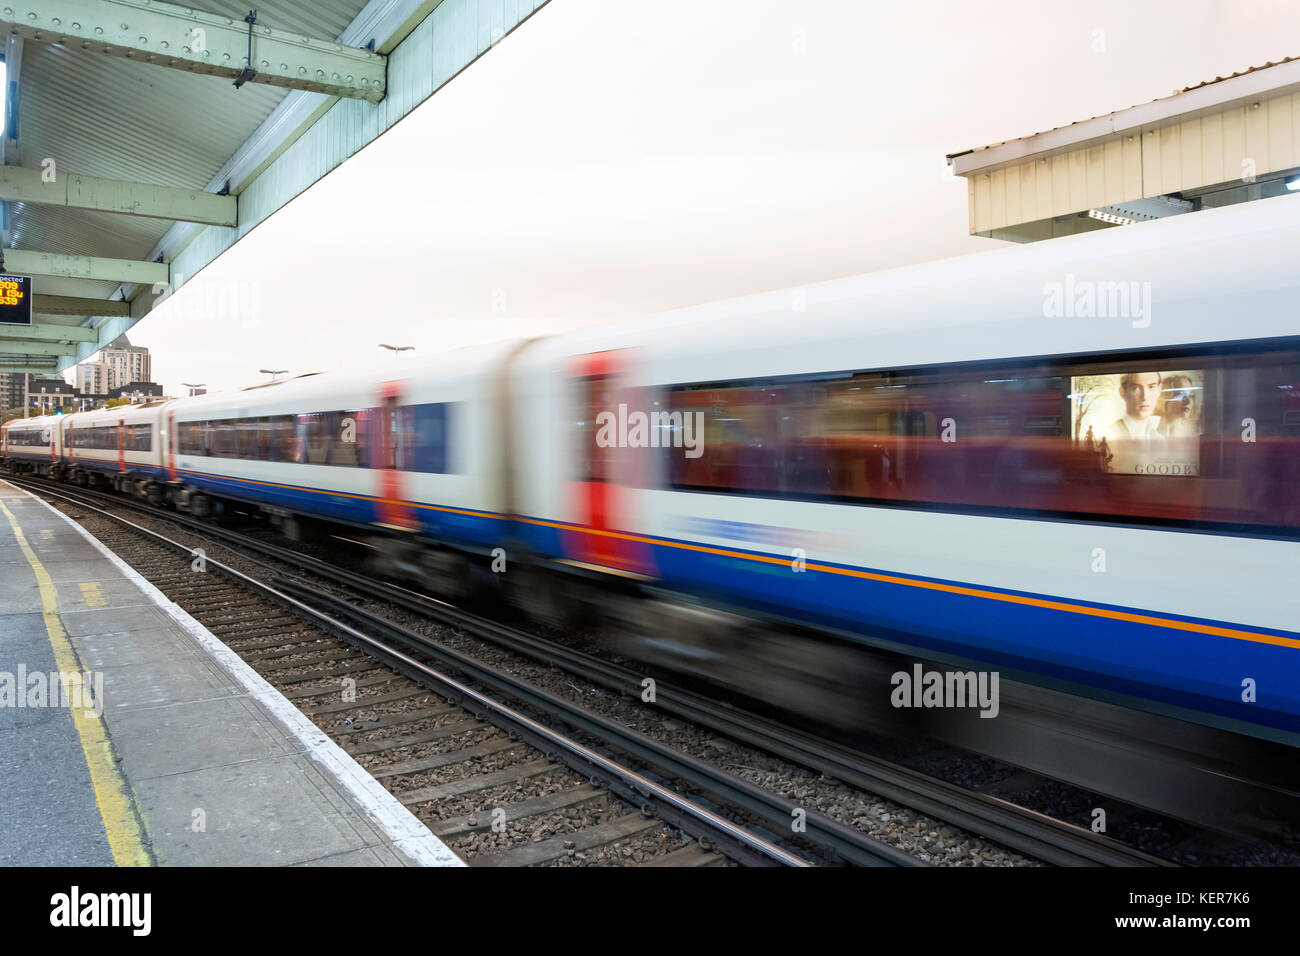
(599, 501)
(393, 507)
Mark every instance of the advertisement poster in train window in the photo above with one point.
(1140, 422)
(15, 300)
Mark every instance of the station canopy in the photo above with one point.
(142, 138)
(1228, 140)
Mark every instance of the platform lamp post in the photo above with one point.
(193, 388)
(396, 349)
(275, 373)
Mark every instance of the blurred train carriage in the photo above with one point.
(919, 460)
(120, 446)
(33, 444)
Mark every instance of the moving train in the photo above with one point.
(1075, 462)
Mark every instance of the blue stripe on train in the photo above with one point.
(1183, 668)
(113, 468)
(459, 529)
(1202, 672)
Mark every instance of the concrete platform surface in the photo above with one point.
(179, 753)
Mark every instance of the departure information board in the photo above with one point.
(15, 300)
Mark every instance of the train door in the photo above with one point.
(391, 446)
(121, 444)
(599, 499)
(167, 435)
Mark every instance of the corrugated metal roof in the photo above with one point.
(120, 119)
(75, 231)
(1185, 89)
(1253, 69)
(136, 122)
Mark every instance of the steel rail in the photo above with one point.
(851, 845)
(1035, 834)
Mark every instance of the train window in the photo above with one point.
(401, 437)
(28, 437)
(1208, 439)
(189, 438)
(282, 437)
(334, 438)
(93, 437)
(337, 438)
(218, 439)
(349, 447)
(266, 438)
(139, 438)
(266, 448)
(599, 395)
(245, 437)
(318, 435)
(422, 434)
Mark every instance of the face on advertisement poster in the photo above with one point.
(1140, 422)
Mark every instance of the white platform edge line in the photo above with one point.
(408, 834)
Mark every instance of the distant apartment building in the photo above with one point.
(92, 377)
(48, 395)
(12, 389)
(121, 370)
(119, 364)
(40, 393)
(137, 391)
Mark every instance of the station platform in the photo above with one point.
(186, 756)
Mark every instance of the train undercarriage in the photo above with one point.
(839, 683)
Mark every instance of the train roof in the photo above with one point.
(40, 421)
(111, 416)
(1209, 276)
(355, 387)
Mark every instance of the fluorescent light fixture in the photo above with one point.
(1141, 210)
(1293, 183)
(1110, 217)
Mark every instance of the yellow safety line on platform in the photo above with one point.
(125, 838)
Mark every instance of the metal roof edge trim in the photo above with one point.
(1184, 105)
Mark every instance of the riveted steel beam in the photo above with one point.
(75, 305)
(164, 34)
(21, 347)
(115, 195)
(26, 263)
(51, 333)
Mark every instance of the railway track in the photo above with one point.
(478, 754)
(986, 814)
(997, 813)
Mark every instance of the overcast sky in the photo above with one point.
(608, 160)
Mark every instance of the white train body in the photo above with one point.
(897, 458)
